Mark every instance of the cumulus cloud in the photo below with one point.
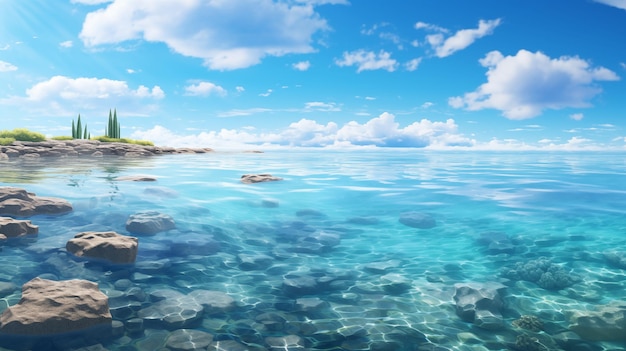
(462, 39)
(413, 64)
(204, 89)
(7, 67)
(576, 116)
(524, 85)
(227, 35)
(83, 94)
(620, 4)
(382, 131)
(368, 61)
(302, 65)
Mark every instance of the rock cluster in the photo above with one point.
(68, 148)
(543, 272)
(19, 202)
(606, 323)
(56, 307)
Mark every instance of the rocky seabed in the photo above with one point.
(272, 291)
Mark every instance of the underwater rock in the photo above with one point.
(13, 228)
(7, 288)
(214, 302)
(136, 178)
(417, 220)
(55, 307)
(615, 259)
(543, 272)
(149, 223)
(394, 283)
(480, 303)
(109, 246)
(188, 340)
(19, 202)
(528, 322)
(497, 243)
(382, 266)
(606, 323)
(248, 262)
(172, 313)
(258, 178)
(289, 342)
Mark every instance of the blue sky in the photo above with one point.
(438, 74)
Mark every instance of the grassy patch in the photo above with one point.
(106, 139)
(22, 134)
(4, 141)
(62, 138)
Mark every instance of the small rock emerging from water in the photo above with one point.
(19, 202)
(108, 246)
(12, 228)
(258, 178)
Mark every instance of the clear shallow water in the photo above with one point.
(334, 219)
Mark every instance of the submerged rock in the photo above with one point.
(19, 202)
(480, 303)
(13, 228)
(188, 340)
(56, 307)
(149, 223)
(417, 220)
(606, 323)
(109, 246)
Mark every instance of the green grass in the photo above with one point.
(4, 141)
(22, 134)
(106, 139)
(62, 138)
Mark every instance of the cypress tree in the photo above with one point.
(73, 130)
(116, 125)
(79, 129)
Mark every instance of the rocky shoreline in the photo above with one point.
(88, 148)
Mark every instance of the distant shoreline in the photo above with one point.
(87, 148)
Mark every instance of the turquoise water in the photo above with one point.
(322, 256)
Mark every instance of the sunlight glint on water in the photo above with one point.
(334, 218)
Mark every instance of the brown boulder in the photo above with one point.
(258, 178)
(56, 307)
(13, 228)
(149, 223)
(19, 202)
(108, 246)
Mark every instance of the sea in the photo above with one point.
(381, 250)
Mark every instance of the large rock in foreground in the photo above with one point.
(13, 228)
(56, 307)
(109, 246)
(19, 202)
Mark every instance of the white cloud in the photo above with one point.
(267, 93)
(53, 96)
(321, 106)
(240, 89)
(576, 116)
(381, 131)
(7, 67)
(431, 27)
(461, 39)
(413, 64)
(225, 34)
(205, 89)
(620, 4)
(66, 44)
(90, 2)
(243, 112)
(302, 65)
(368, 61)
(524, 85)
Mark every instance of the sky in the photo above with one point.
(431, 74)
